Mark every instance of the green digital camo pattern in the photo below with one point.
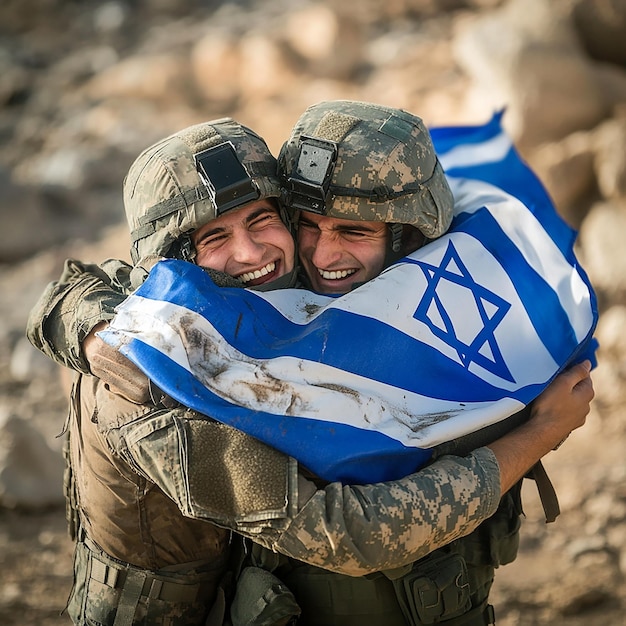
(380, 150)
(356, 530)
(164, 196)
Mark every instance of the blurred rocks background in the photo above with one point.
(86, 85)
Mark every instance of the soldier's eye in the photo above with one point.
(263, 220)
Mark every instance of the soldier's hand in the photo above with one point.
(565, 403)
(119, 374)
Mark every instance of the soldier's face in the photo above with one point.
(337, 253)
(250, 243)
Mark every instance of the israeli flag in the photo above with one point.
(361, 388)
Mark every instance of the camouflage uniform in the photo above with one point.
(147, 479)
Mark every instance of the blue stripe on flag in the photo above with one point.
(508, 173)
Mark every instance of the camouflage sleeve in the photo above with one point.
(69, 308)
(356, 530)
(221, 475)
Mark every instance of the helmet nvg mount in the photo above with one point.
(191, 177)
(363, 161)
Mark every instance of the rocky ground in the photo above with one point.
(84, 86)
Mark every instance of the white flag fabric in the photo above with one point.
(360, 388)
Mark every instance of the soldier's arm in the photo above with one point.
(357, 530)
(559, 410)
(64, 322)
(68, 310)
(216, 473)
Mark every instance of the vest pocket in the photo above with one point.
(437, 589)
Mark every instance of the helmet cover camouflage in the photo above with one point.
(384, 167)
(165, 195)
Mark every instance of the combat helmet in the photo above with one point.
(364, 161)
(191, 177)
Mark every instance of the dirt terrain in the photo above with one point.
(84, 86)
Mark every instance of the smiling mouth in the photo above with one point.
(255, 276)
(335, 274)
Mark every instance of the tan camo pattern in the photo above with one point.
(356, 530)
(164, 196)
(378, 148)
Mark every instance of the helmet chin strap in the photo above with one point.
(394, 245)
(182, 249)
(404, 239)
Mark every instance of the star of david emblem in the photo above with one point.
(463, 313)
